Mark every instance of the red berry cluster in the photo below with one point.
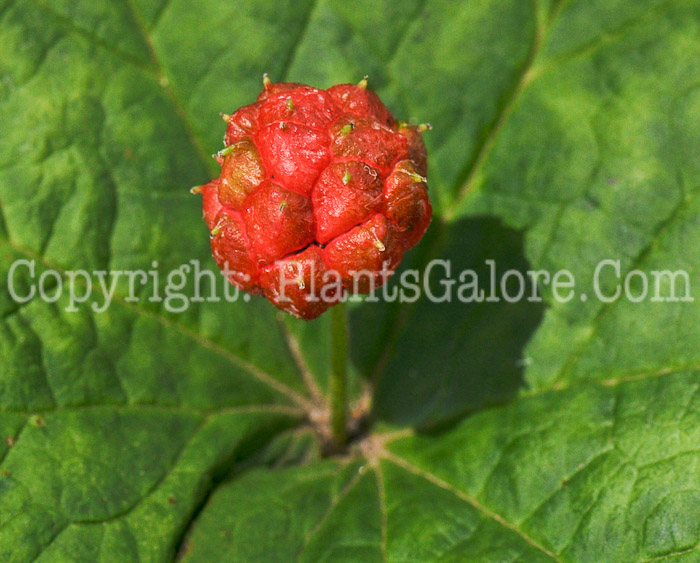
(320, 191)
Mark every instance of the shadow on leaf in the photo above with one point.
(439, 361)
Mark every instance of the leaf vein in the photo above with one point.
(596, 323)
(203, 341)
(381, 489)
(70, 25)
(300, 362)
(301, 37)
(166, 82)
(466, 498)
(334, 503)
(467, 176)
(15, 439)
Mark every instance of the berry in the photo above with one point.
(320, 194)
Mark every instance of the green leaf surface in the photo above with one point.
(565, 132)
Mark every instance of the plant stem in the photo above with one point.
(339, 374)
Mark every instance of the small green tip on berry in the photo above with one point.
(196, 190)
(215, 231)
(290, 104)
(363, 83)
(345, 129)
(346, 178)
(227, 150)
(283, 206)
(266, 81)
(380, 245)
(425, 127)
(225, 116)
(417, 177)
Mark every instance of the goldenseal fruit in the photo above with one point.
(320, 194)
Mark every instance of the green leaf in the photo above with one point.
(566, 132)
